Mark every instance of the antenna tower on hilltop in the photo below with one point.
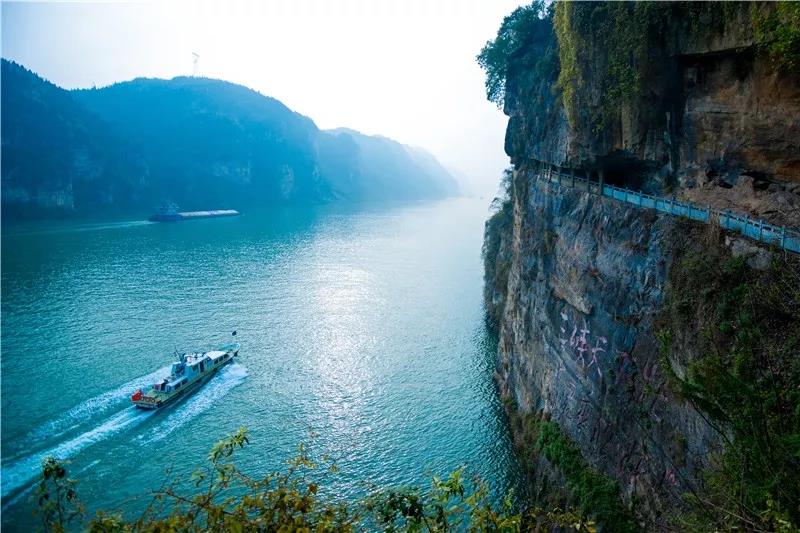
(195, 68)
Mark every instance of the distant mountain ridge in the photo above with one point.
(199, 142)
(383, 162)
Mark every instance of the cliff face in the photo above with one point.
(577, 285)
(585, 279)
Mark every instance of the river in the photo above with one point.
(362, 334)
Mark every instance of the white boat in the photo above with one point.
(187, 375)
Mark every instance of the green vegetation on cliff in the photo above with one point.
(610, 51)
(523, 26)
(777, 33)
(616, 36)
(742, 325)
(596, 497)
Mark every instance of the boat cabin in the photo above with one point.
(190, 366)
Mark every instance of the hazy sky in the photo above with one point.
(401, 68)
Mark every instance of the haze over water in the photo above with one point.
(364, 326)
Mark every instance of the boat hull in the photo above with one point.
(151, 404)
(192, 215)
(174, 217)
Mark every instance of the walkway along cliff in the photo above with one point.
(650, 363)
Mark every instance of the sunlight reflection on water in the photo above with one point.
(364, 327)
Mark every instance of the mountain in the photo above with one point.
(383, 166)
(55, 154)
(200, 142)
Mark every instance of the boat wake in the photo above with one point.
(94, 406)
(82, 228)
(111, 225)
(226, 379)
(22, 494)
(20, 472)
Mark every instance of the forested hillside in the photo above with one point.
(200, 142)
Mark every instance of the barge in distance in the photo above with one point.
(170, 213)
(188, 374)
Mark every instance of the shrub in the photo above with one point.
(228, 499)
(745, 325)
(596, 497)
(777, 35)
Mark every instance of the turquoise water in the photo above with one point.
(361, 329)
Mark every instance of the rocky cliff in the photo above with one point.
(675, 98)
(622, 331)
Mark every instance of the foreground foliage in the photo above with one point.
(57, 501)
(227, 499)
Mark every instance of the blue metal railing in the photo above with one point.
(752, 228)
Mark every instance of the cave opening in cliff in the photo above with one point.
(620, 169)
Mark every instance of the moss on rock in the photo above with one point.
(595, 496)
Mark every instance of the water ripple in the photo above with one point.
(362, 332)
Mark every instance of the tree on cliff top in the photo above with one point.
(520, 27)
